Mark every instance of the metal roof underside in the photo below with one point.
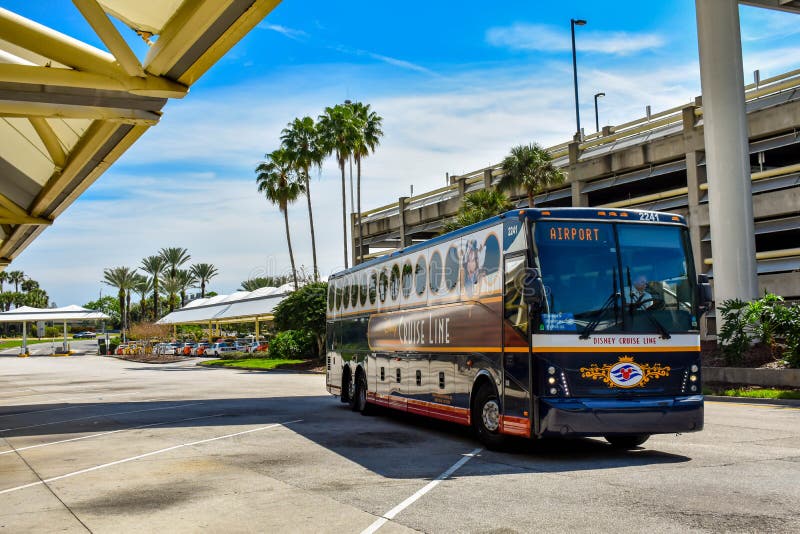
(68, 110)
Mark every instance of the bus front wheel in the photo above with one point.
(627, 441)
(486, 418)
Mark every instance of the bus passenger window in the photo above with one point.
(383, 286)
(383, 374)
(398, 376)
(441, 379)
(394, 282)
(419, 377)
(451, 269)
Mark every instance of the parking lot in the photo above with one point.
(105, 445)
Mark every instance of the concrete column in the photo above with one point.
(462, 187)
(24, 349)
(693, 182)
(257, 333)
(725, 123)
(487, 179)
(405, 240)
(579, 199)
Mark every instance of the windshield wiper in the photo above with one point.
(647, 311)
(612, 299)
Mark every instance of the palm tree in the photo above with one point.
(143, 285)
(369, 138)
(29, 284)
(186, 281)
(154, 266)
(3, 279)
(16, 278)
(123, 278)
(251, 284)
(338, 131)
(174, 257)
(479, 205)
(531, 168)
(203, 272)
(172, 286)
(301, 140)
(276, 178)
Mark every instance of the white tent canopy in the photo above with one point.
(65, 314)
(244, 305)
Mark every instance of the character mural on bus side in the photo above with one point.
(480, 264)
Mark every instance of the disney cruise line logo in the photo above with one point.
(625, 373)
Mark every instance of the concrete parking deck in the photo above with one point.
(105, 445)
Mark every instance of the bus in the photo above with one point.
(534, 323)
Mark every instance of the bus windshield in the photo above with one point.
(615, 277)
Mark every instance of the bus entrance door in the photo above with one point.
(516, 355)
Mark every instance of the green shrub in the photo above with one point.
(735, 335)
(292, 345)
(53, 331)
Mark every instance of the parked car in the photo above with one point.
(187, 348)
(219, 348)
(199, 349)
(240, 346)
(258, 346)
(84, 335)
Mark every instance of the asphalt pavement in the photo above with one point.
(104, 445)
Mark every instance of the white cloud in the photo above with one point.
(759, 24)
(544, 38)
(291, 33)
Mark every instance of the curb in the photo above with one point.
(256, 369)
(753, 400)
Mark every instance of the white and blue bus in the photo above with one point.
(534, 323)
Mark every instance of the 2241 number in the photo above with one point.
(648, 217)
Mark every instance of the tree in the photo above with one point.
(301, 140)
(174, 257)
(277, 180)
(251, 284)
(531, 168)
(338, 131)
(16, 278)
(37, 298)
(479, 205)
(108, 305)
(143, 285)
(186, 281)
(369, 136)
(154, 266)
(29, 284)
(304, 310)
(172, 286)
(203, 272)
(123, 278)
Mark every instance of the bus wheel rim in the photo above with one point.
(491, 416)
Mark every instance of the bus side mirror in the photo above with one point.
(705, 296)
(534, 292)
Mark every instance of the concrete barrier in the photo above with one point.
(754, 377)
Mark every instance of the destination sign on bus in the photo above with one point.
(574, 233)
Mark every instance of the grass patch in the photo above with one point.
(18, 342)
(760, 393)
(253, 363)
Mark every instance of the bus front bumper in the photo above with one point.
(603, 417)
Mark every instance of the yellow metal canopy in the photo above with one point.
(68, 110)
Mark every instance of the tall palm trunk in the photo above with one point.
(285, 211)
(128, 308)
(155, 296)
(121, 297)
(360, 252)
(344, 212)
(311, 222)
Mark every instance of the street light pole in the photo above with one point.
(596, 115)
(572, 24)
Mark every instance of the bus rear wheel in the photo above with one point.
(361, 396)
(627, 441)
(486, 418)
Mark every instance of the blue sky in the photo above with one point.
(457, 83)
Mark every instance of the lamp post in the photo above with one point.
(572, 24)
(596, 116)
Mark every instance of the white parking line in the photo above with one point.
(73, 407)
(145, 455)
(408, 502)
(19, 398)
(98, 416)
(16, 449)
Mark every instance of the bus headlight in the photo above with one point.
(693, 378)
(551, 380)
(551, 370)
(553, 391)
(694, 368)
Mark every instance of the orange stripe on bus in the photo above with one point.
(615, 349)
